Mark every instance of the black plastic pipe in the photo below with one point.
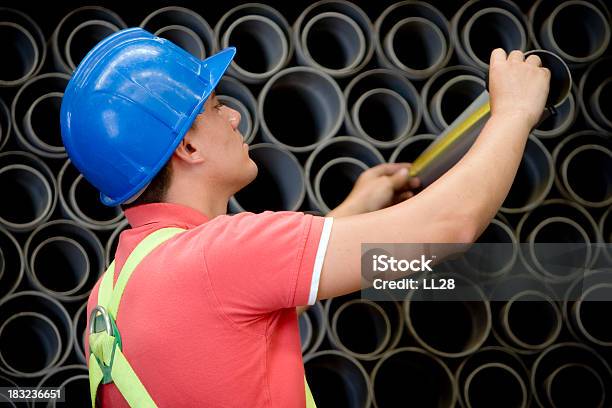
(411, 148)
(279, 184)
(334, 36)
(586, 40)
(79, 333)
(13, 263)
(184, 27)
(64, 260)
(263, 37)
(587, 311)
(383, 107)
(480, 26)
(454, 97)
(31, 190)
(35, 115)
(529, 321)
(556, 365)
(5, 124)
(594, 161)
(185, 38)
(482, 387)
(413, 37)
(339, 146)
(80, 201)
(22, 19)
(78, 27)
(533, 180)
(20, 54)
(299, 108)
(495, 364)
(434, 84)
(30, 344)
(448, 327)
(337, 380)
(316, 316)
(605, 229)
(74, 381)
(32, 353)
(335, 180)
(360, 328)
(412, 374)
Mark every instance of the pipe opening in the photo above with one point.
(42, 122)
(594, 304)
(416, 43)
(185, 38)
(492, 28)
(490, 260)
(362, 327)
(34, 333)
(592, 163)
(531, 319)
(75, 391)
(19, 51)
(311, 107)
(454, 97)
(279, 184)
(495, 385)
(334, 41)
(589, 35)
(337, 381)
(557, 124)
(426, 376)
(30, 195)
(305, 329)
(601, 100)
(557, 264)
(262, 44)
(564, 381)
(88, 205)
(446, 326)
(383, 115)
(412, 148)
(533, 179)
(60, 264)
(335, 180)
(84, 37)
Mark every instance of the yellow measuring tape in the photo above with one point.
(442, 144)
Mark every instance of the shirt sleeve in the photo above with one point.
(268, 261)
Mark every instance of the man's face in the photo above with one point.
(226, 156)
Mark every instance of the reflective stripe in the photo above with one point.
(103, 346)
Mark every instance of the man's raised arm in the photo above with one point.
(460, 204)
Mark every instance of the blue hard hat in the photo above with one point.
(128, 105)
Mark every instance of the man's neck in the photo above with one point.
(208, 204)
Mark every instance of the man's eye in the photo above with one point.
(219, 105)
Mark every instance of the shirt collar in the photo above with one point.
(165, 214)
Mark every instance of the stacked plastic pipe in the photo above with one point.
(326, 91)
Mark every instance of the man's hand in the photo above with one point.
(378, 188)
(518, 87)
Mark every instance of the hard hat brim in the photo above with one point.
(212, 70)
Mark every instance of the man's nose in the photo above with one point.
(234, 118)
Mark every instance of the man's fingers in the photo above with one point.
(534, 60)
(400, 179)
(516, 55)
(498, 55)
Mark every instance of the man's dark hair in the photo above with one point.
(157, 189)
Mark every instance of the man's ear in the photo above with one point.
(189, 151)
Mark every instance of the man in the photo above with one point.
(208, 318)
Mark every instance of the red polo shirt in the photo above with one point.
(208, 318)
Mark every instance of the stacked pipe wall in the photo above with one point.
(326, 90)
